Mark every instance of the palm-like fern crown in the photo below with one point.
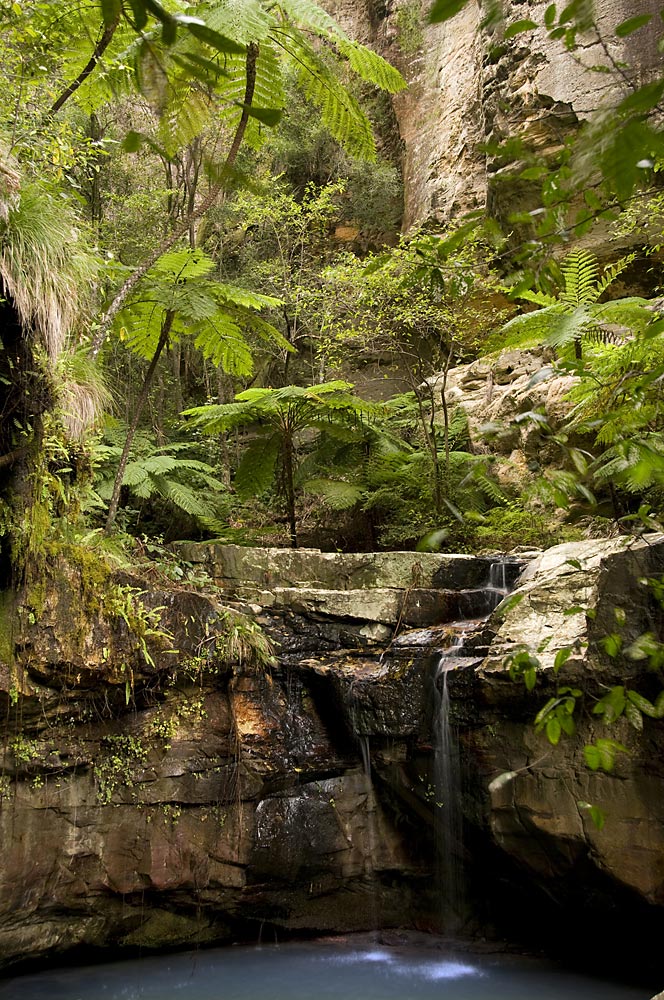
(195, 68)
(219, 316)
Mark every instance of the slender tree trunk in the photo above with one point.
(131, 433)
(99, 49)
(184, 228)
(290, 489)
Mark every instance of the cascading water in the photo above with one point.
(372, 839)
(448, 820)
(448, 814)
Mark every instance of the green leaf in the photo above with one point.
(443, 10)
(550, 15)
(132, 142)
(266, 116)
(632, 24)
(544, 711)
(509, 603)
(530, 678)
(591, 754)
(567, 724)
(644, 99)
(520, 26)
(634, 716)
(110, 10)
(642, 704)
(612, 705)
(216, 40)
(140, 14)
(612, 644)
(553, 730)
(562, 656)
(597, 815)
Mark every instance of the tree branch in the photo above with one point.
(101, 46)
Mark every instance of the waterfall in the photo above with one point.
(372, 838)
(448, 817)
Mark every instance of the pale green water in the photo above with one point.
(315, 972)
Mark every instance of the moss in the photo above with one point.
(7, 627)
(408, 20)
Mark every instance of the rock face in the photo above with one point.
(166, 782)
(469, 87)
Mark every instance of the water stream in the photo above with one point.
(335, 970)
(448, 819)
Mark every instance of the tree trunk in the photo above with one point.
(101, 46)
(131, 433)
(290, 489)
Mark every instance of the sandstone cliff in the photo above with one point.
(470, 87)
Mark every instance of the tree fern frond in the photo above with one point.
(312, 17)
(184, 264)
(580, 272)
(246, 298)
(340, 112)
(337, 494)
(222, 342)
(140, 326)
(244, 20)
(371, 67)
(256, 469)
(215, 418)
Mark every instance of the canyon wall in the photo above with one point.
(469, 89)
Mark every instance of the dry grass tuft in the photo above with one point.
(44, 267)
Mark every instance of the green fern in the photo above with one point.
(217, 315)
(187, 483)
(576, 312)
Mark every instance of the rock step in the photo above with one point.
(234, 566)
(388, 606)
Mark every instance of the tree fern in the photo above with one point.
(576, 311)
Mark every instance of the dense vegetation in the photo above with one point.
(199, 214)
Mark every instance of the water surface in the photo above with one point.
(316, 972)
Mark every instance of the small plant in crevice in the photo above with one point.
(121, 756)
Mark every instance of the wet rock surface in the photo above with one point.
(193, 796)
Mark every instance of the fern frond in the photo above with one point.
(184, 497)
(371, 67)
(228, 294)
(612, 271)
(215, 418)
(340, 112)
(631, 312)
(580, 272)
(184, 264)
(337, 494)
(567, 327)
(222, 342)
(256, 469)
(243, 20)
